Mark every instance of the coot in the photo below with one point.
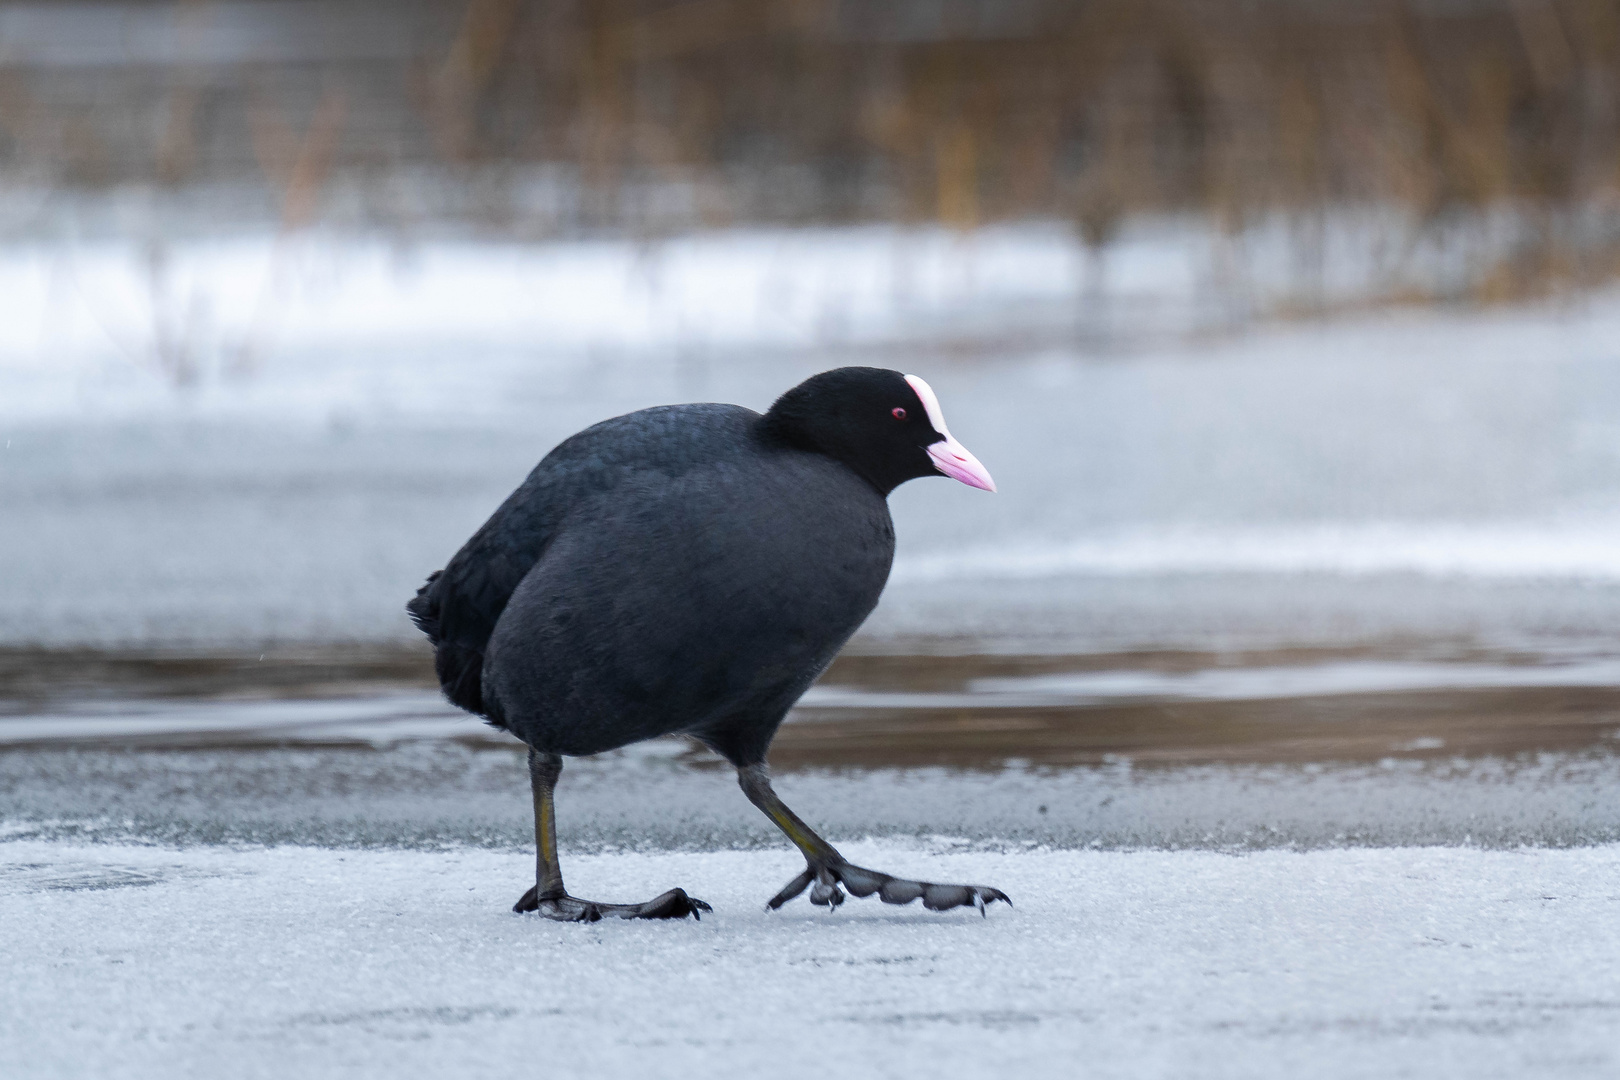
(691, 569)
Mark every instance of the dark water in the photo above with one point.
(884, 710)
(1303, 748)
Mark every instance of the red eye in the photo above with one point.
(899, 413)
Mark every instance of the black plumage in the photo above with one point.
(692, 569)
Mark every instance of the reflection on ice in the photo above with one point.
(1585, 547)
(976, 711)
(1252, 684)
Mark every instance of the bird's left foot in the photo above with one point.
(561, 907)
(824, 881)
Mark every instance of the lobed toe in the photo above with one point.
(861, 881)
(945, 897)
(900, 891)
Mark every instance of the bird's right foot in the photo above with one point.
(561, 907)
(824, 881)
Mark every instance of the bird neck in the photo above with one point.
(782, 429)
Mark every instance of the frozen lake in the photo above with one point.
(320, 884)
(143, 961)
(1278, 685)
(1440, 475)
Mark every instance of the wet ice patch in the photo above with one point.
(410, 1017)
(85, 876)
(41, 877)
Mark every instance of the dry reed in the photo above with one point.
(661, 115)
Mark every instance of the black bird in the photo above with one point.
(691, 569)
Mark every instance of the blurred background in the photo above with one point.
(1289, 329)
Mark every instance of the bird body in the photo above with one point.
(698, 587)
(689, 569)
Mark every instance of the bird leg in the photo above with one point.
(826, 870)
(549, 898)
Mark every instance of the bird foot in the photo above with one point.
(827, 882)
(674, 904)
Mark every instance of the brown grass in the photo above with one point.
(949, 111)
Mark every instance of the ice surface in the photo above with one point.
(656, 796)
(1259, 683)
(383, 718)
(214, 443)
(355, 411)
(205, 961)
(1351, 482)
(1582, 548)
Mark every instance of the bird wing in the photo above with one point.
(458, 607)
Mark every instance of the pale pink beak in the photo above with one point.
(950, 457)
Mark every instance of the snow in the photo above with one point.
(277, 325)
(206, 961)
(259, 320)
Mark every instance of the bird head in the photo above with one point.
(886, 426)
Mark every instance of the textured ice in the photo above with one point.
(654, 797)
(204, 961)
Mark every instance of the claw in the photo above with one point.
(674, 904)
(825, 892)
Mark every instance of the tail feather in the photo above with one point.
(460, 668)
(423, 608)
